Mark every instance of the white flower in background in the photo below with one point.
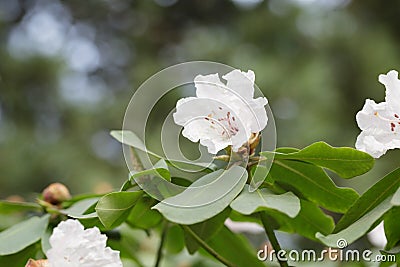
(222, 114)
(380, 123)
(73, 246)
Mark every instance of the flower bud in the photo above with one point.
(38, 263)
(254, 141)
(56, 193)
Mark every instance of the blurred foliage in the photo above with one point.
(69, 68)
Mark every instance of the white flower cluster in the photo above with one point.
(73, 246)
(222, 115)
(380, 123)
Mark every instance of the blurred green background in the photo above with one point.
(69, 68)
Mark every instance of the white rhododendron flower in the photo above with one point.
(221, 114)
(380, 123)
(73, 246)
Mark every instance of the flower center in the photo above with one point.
(228, 121)
(393, 123)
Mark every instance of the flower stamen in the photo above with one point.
(392, 122)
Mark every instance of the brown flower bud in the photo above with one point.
(38, 263)
(56, 193)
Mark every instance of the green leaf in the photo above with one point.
(21, 258)
(129, 245)
(44, 240)
(396, 198)
(310, 220)
(91, 220)
(249, 202)
(370, 199)
(174, 241)
(312, 183)
(115, 207)
(7, 207)
(23, 234)
(258, 174)
(392, 229)
(79, 207)
(205, 230)
(358, 228)
(160, 169)
(235, 248)
(142, 216)
(205, 198)
(131, 139)
(68, 203)
(345, 161)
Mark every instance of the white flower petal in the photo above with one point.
(241, 82)
(392, 84)
(210, 86)
(73, 246)
(370, 145)
(380, 122)
(374, 115)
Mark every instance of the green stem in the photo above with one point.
(272, 238)
(162, 241)
(207, 247)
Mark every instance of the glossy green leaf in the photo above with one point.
(205, 230)
(7, 207)
(345, 161)
(23, 234)
(371, 198)
(310, 220)
(392, 229)
(312, 183)
(235, 248)
(249, 202)
(142, 216)
(205, 198)
(358, 228)
(114, 208)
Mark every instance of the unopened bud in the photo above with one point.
(56, 193)
(38, 263)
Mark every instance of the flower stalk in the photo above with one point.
(161, 245)
(272, 238)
